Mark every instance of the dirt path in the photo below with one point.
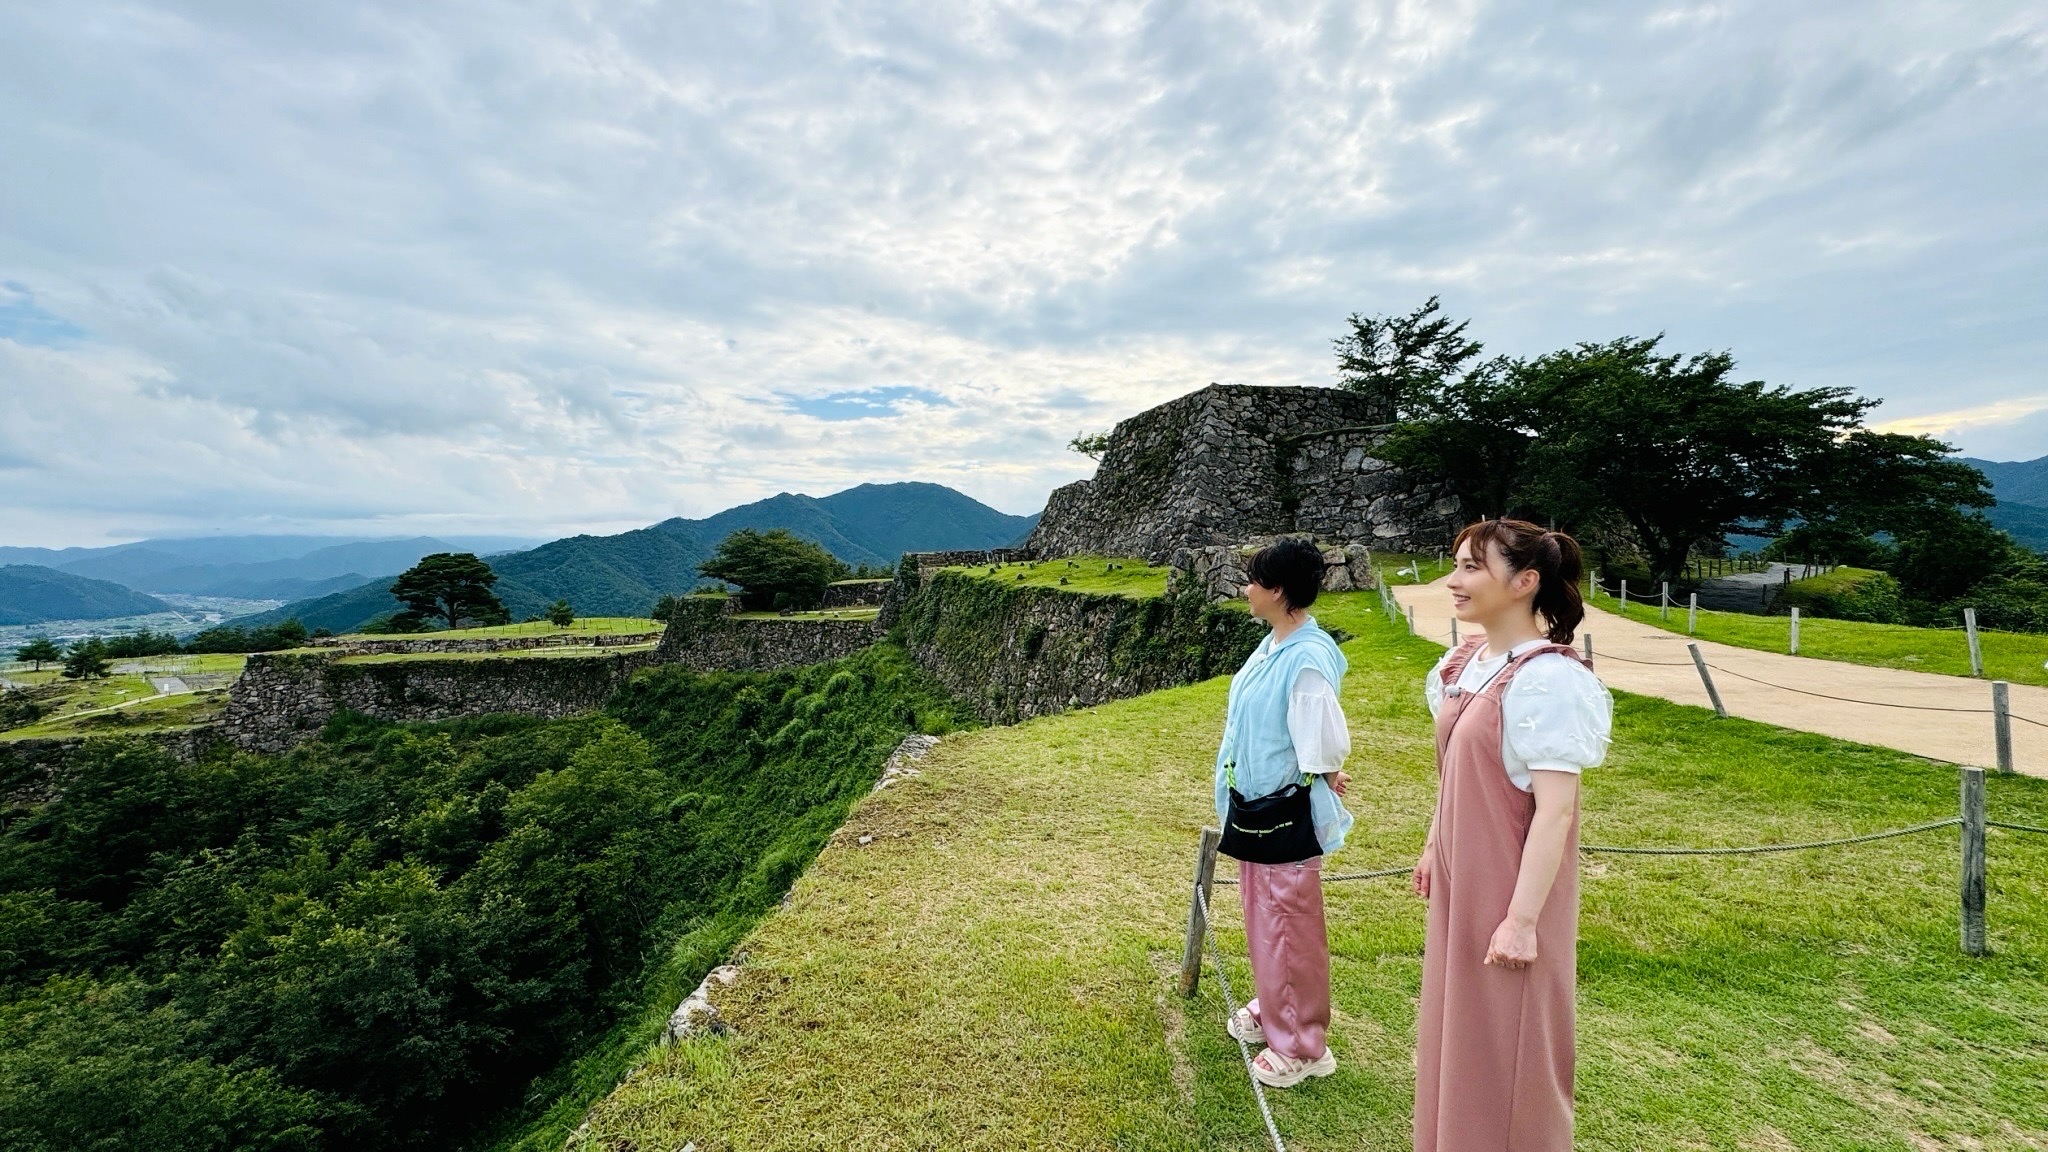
(1883, 706)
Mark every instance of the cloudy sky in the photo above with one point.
(401, 267)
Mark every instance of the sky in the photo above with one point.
(398, 268)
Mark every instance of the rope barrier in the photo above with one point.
(1651, 663)
(1849, 699)
(2016, 827)
(1767, 848)
(1230, 1005)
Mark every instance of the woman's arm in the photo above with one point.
(1557, 798)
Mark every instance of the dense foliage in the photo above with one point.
(774, 569)
(1665, 455)
(451, 587)
(89, 656)
(383, 938)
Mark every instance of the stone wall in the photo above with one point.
(855, 594)
(703, 638)
(1014, 651)
(421, 645)
(282, 699)
(1231, 462)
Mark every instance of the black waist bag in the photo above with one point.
(1275, 829)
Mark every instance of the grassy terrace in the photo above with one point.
(994, 969)
(126, 701)
(577, 653)
(594, 625)
(820, 614)
(2015, 656)
(1130, 577)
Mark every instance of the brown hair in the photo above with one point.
(1553, 555)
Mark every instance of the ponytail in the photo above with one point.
(1553, 556)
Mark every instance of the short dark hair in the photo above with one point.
(1291, 566)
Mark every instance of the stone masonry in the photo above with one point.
(1232, 462)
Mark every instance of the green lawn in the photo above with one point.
(2015, 656)
(581, 652)
(994, 968)
(151, 713)
(1411, 567)
(864, 613)
(594, 625)
(1133, 578)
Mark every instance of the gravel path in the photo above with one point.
(1892, 708)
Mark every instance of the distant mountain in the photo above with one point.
(31, 594)
(2022, 490)
(251, 567)
(624, 574)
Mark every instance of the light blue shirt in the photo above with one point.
(1257, 753)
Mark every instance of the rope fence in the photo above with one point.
(1972, 821)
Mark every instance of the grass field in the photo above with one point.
(820, 614)
(2015, 656)
(594, 625)
(582, 652)
(127, 702)
(1411, 567)
(993, 969)
(1131, 577)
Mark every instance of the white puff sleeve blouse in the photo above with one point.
(1315, 723)
(1556, 716)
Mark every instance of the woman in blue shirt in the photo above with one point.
(1283, 724)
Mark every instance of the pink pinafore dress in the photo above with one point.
(1494, 1050)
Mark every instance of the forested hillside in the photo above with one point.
(30, 594)
(624, 574)
(397, 937)
(2022, 491)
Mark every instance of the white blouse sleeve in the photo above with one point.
(1558, 716)
(1315, 721)
(1433, 684)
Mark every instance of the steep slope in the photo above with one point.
(2016, 481)
(896, 518)
(30, 594)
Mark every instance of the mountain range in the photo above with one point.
(252, 567)
(31, 594)
(2022, 490)
(624, 574)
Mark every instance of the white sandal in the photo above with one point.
(1243, 1025)
(1279, 1070)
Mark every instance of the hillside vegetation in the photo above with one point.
(407, 937)
(624, 574)
(31, 594)
(994, 967)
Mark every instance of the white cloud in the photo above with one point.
(467, 267)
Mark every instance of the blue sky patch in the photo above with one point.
(860, 403)
(24, 323)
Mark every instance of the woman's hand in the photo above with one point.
(1513, 945)
(1423, 868)
(1339, 781)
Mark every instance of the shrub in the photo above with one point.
(1848, 594)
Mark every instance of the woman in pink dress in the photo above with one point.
(1518, 715)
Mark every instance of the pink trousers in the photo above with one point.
(1290, 954)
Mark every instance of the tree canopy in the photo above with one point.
(1399, 359)
(86, 659)
(39, 651)
(774, 568)
(454, 587)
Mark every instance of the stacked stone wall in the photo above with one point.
(703, 638)
(1016, 651)
(855, 594)
(1231, 462)
(283, 699)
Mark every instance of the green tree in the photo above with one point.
(774, 568)
(1475, 433)
(1090, 444)
(1397, 359)
(560, 614)
(86, 660)
(39, 651)
(1672, 448)
(452, 586)
(665, 608)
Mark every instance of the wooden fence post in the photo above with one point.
(1976, 653)
(1205, 879)
(1713, 693)
(1973, 861)
(1454, 631)
(1664, 603)
(1624, 595)
(2001, 723)
(1589, 647)
(1411, 619)
(1692, 615)
(1795, 630)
